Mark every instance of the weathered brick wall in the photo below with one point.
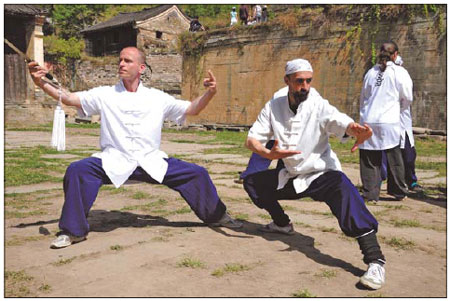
(249, 66)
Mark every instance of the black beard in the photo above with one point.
(299, 97)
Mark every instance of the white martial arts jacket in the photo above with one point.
(406, 125)
(306, 131)
(384, 96)
(130, 131)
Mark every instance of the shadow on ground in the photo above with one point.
(106, 221)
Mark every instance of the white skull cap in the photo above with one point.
(298, 65)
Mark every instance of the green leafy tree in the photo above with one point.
(62, 50)
(70, 19)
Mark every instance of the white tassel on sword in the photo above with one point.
(59, 120)
(59, 126)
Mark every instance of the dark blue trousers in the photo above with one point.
(258, 163)
(333, 187)
(84, 178)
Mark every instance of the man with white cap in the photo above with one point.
(301, 121)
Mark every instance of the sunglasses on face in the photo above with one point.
(302, 80)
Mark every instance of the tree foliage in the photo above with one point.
(63, 50)
(70, 19)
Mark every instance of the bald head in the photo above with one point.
(139, 53)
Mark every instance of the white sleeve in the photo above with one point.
(405, 88)
(332, 121)
(175, 109)
(261, 130)
(90, 100)
(365, 91)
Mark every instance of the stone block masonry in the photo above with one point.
(249, 66)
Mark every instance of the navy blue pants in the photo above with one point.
(333, 187)
(84, 178)
(258, 163)
(409, 160)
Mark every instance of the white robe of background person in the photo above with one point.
(307, 131)
(384, 96)
(405, 118)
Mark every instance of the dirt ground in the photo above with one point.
(145, 242)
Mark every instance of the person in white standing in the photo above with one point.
(132, 117)
(233, 16)
(385, 94)
(301, 121)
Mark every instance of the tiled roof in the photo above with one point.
(24, 9)
(129, 18)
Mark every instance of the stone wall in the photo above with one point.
(165, 74)
(249, 66)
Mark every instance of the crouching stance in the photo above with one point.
(132, 117)
(301, 121)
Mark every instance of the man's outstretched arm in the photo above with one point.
(198, 104)
(38, 72)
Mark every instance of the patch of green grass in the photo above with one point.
(316, 212)
(116, 247)
(399, 243)
(19, 214)
(265, 216)
(139, 195)
(303, 225)
(228, 150)
(45, 288)
(395, 207)
(83, 125)
(16, 283)
(17, 276)
(218, 272)
(191, 263)
(113, 190)
(230, 268)
(287, 207)
(381, 213)
(241, 216)
(431, 147)
(26, 166)
(440, 167)
(153, 206)
(183, 141)
(328, 229)
(303, 293)
(407, 223)
(426, 210)
(324, 273)
(64, 261)
(18, 241)
(183, 210)
(160, 239)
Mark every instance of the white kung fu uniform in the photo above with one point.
(316, 171)
(130, 131)
(307, 131)
(382, 96)
(130, 137)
